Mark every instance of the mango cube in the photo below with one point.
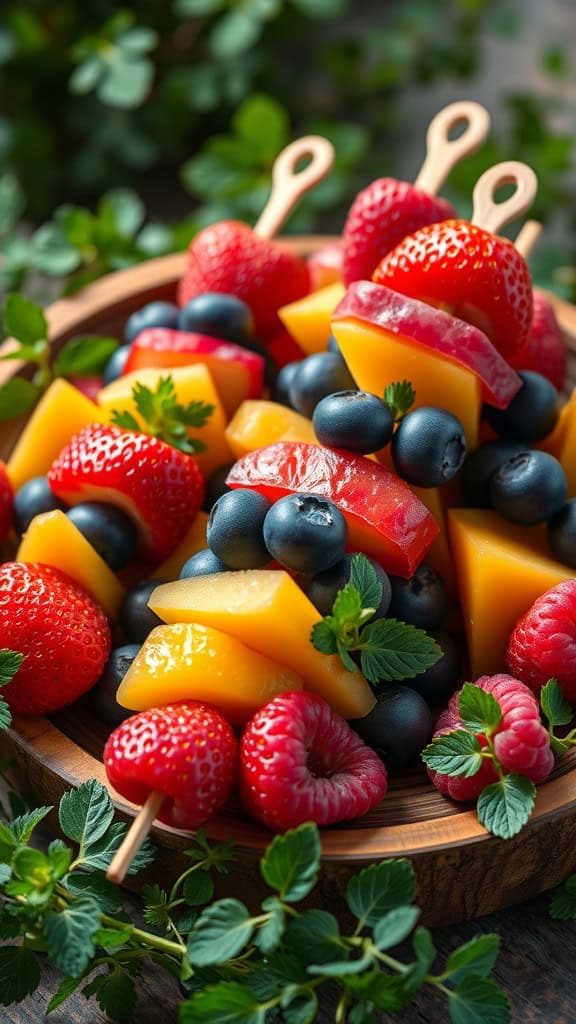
(308, 319)
(257, 424)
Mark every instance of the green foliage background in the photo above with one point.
(186, 104)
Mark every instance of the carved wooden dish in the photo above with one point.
(462, 871)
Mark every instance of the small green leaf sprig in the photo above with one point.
(389, 650)
(399, 397)
(10, 662)
(559, 712)
(235, 965)
(162, 416)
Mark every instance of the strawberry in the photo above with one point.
(159, 487)
(186, 751)
(545, 351)
(380, 217)
(62, 633)
(228, 257)
(470, 273)
(6, 503)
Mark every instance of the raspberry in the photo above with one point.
(543, 641)
(299, 761)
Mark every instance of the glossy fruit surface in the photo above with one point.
(258, 424)
(428, 447)
(108, 529)
(115, 366)
(103, 695)
(562, 534)
(235, 529)
(532, 413)
(542, 644)
(203, 563)
(153, 314)
(305, 532)
(421, 601)
(529, 488)
(324, 586)
(546, 350)
(398, 728)
(355, 420)
(284, 381)
(325, 265)
(220, 316)
(479, 467)
(308, 319)
(62, 633)
(317, 376)
(299, 761)
(34, 497)
(438, 683)
(136, 618)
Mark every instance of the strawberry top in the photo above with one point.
(471, 273)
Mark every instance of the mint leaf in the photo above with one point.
(115, 994)
(505, 806)
(220, 933)
(85, 356)
(425, 953)
(8, 842)
(363, 577)
(85, 814)
(269, 935)
(314, 937)
(125, 420)
(563, 905)
(380, 888)
(23, 826)
(155, 900)
(111, 938)
(97, 856)
(298, 1007)
(392, 650)
(19, 974)
(455, 753)
(17, 396)
(554, 704)
(479, 1001)
(164, 417)
(59, 856)
(347, 605)
(394, 927)
(198, 888)
(66, 988)
(109, 897)
(68, 934)
(225, 1003)
(24, 320)
(347, 661)
(5, 714)
(292, 861)
(476, 957)
(399, 397)
(10, 662)
(480, 711)
(323, 637)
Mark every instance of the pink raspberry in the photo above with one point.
(300, 761)
(521, 742)
(543, 641)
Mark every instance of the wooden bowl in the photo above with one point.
(462, 871)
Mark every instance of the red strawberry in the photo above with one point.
(380, 217)
(186, 751)
(228, 257)
(157, 485)
(300, 761)
(469, 272)
(542, 644)
(545, 351)
(6, 503)
(62, 633)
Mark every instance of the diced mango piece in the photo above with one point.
(267, 611)
(194, 541)
(191, 662)
(439, 556)
(308, 319)
(376, 358)
(52, 539)
(562, 442)
(501, 570)
(61, 412)
(191, 384)
(257, 424)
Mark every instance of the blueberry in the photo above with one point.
(438, 683)
(562, 534)
(235, 529)
(216, 486)
(529, 488)
(421, 601)
(34, 497)
(284, 383)
(219, 316)
(428, 447)
(103, 694)
(333, 345)
(115, 366)
(317, 376)
(153, 314)
(532, 413)
(203, 563)
(305, 532)
(136, 618)
(108, 529)
(479, 468)
(398, 728)
(355, 420)
(324, 586)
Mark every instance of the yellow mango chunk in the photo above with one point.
(376, 358)
(439, 556)
(267, 611)
(256, 424)
(194, 541)
(192, 384)
(191, 662)
(501, 568)
(61, 412)
(52, 539)
(308, 319)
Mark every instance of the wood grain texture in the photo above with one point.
(447, 845)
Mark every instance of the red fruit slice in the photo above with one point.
(237, 373)
(420, 324)
(325, 266)
(385, 519)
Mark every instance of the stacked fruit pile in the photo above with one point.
(282, 509)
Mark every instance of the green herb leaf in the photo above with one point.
(24, 320)
(164, 417)
(363, 577)
(347, 605)
(298, 1007)
(379, 888)
(125, 420)
(19, 974)
(455, 753)
(115, 994)
(269, 935)
(393, 928)
(17, 396)
(5, 714)
(59, 856)
(10, 662)
(8, 842)
(505, 806)
(155, 900)
(347, 661)
(563, 905)
(198, 888)
(323, 637)
(392, 650)
(23, 826)
(66, 988)
(31, 866)
(554, 704)
(111, 938)
(479, 1001)
(292, 861)
(399, 397)
(68, 934)
(480, 711)
(476, 957)
(314, 937)
(225, 1003)
(109, 897)
(98, 855)
(86, 813)
(221, 932)
(343, 968)
(82, 357)
(425, 953)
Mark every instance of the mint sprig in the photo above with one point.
(164, 417)
(10, 662)
(399, 397)
(559, 712)
(389, 650)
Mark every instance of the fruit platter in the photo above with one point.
(304, 548)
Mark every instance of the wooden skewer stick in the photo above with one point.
(442, 152)
(527, 237)
(489, 214)
(134, 838)
(289, 184)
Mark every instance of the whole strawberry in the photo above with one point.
(6, 503)
(380, 218)
(300, 761)
(228, 257)
(546, 350)
(62, 633)
(186, 751)
(469, 272)
(160, 487)
(542, 644)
